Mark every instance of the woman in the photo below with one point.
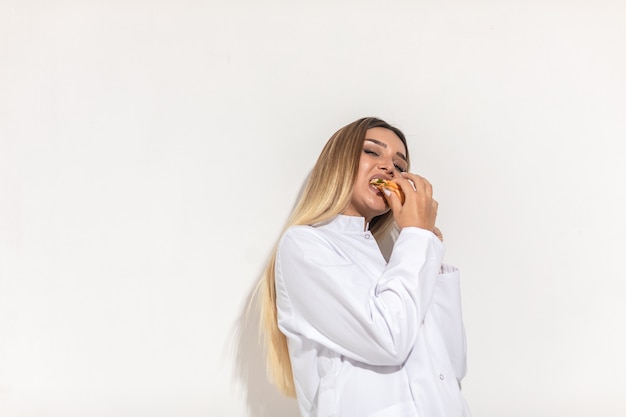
(348, 332)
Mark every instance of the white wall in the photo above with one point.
(150, 153)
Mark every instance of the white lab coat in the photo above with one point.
(368, 337)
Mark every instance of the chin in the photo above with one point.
(382, 208)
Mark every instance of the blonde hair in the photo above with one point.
(326, 194)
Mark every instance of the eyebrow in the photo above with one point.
(384, 145)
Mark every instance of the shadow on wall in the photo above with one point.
(262, 398)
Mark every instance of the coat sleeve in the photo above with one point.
(446, 312)
(326, 297)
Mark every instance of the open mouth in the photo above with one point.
(392, 186)
(376, 189)
(376, 184)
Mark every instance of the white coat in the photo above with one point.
(366, 337)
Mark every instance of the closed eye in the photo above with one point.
(399, 168)
(370, 152)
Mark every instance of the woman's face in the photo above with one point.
(383, 156)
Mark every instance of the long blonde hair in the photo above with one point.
(326, 194)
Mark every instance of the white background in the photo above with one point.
(151, 151)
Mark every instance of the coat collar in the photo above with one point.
(343, 223)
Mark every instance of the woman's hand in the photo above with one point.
(419, 208)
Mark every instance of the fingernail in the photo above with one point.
(386, 191)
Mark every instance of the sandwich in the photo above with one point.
(380, 183)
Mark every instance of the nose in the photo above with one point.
(387, 167)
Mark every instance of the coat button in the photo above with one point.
(441, 376)
(367, 236)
